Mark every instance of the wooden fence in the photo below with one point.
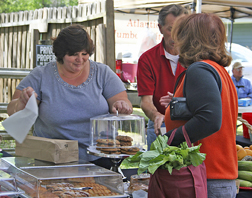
(20, 32)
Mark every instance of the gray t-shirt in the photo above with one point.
(65, 110)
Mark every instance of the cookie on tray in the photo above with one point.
(109, 142)
(109, 150)
(124, 138)
(130, 151)
(122, 143)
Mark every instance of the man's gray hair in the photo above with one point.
(174, 9)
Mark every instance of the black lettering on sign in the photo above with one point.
(44, 55)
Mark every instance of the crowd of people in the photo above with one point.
(74, 88)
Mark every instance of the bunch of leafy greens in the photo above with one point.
(161, 155)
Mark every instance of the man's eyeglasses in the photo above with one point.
(239, 69)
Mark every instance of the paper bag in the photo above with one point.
(51, 150)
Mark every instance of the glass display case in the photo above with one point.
(117, 134)
(8, 185)
(65, 180)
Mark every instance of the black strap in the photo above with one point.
(177, 81)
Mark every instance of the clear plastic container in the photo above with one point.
(119, 133)
(62, 180)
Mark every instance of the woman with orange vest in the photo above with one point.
(211, 98)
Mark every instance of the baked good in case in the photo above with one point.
(122, 143)
(108, 146)
(124, 138)
(109, 142)
(130, 151)
(109, 150)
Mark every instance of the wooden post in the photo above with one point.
(110, 35)
(35, 42)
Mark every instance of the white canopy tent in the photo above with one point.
(229, 9)
(241, 8)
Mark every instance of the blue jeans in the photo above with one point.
(151, 136)
(221, 188)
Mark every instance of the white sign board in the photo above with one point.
(131, 30)
(44, 55)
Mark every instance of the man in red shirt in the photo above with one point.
(157, 71)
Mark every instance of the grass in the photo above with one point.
(6, 144)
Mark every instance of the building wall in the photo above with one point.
(242, 34)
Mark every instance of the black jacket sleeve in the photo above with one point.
(202, 89)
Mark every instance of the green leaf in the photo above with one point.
(135, 158)
(160, 143)
(197, 158)
(154, 166)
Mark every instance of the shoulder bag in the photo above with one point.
(178, 106)
(187, 182)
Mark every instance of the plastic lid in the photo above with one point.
(118, 117)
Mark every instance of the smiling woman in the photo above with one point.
(72, 90)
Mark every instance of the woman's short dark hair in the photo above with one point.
(70, 40)
(175, 10)
(199, 37)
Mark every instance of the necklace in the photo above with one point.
(80, 72)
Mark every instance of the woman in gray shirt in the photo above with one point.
(71, 90)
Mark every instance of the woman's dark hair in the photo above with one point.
(199, 37)
(70, 40)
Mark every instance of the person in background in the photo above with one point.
(211, 98)
(243, 85)
(157, 71)
(72, 90)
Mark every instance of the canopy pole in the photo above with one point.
(193, 7)
(232, 11)
(198, 6)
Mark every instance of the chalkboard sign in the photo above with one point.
(44, 55)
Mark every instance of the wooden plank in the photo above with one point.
(28, 51)
(1, 45)
(17, 82)
(10, 48)
(54, 30)
(1, 88)
(93, 37)
(13, 88)
(9, 93)
(6, 35)
(34, 43)
(23, 47)
(14, 56)
(19, 41)
(100, 43)
(4, 91)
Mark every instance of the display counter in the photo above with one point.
(243, 141)
(244, 109)
(34, 178)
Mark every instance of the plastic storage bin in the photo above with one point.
(244, 102)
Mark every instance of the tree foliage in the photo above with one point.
(7, 6)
